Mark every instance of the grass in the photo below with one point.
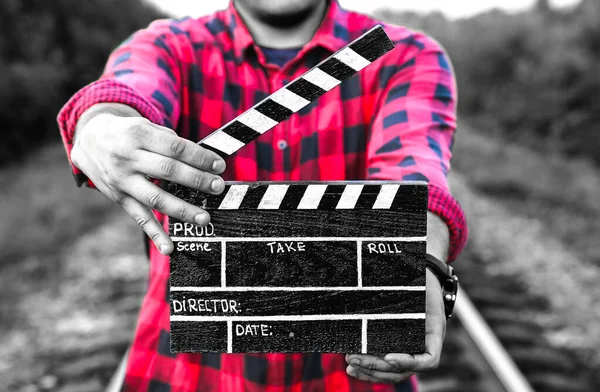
(42, 207)
(561, 193)
(42, 212)
(491, 163)
(534, 218)
(72, 264)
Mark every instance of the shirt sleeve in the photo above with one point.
(143, 73)
(413, 130)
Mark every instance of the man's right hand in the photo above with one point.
(119, 154)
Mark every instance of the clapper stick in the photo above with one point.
(300, 92)
(300, 266)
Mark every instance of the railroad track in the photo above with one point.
(484, 364)
(474, 358)
(494, 345)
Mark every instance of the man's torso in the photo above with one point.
(326, 140)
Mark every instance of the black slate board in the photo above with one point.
(301, 267)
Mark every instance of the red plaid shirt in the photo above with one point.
(394, 120)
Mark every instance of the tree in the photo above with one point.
(48, 50)
(534, 74)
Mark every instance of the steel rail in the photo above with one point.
(490, 347)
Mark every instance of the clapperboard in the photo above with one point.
(301, 266)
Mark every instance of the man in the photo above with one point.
(177, 81)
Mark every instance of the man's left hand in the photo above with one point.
(395, 368)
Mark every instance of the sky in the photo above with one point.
(452, 9)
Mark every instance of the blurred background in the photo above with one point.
(526, 169)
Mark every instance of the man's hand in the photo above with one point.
(119, 153)
(395, 368)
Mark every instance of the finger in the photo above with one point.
(163, 129)
(436, 317)
(148, 222)
(435, 329)
(376, 376)
(370, 363)
(425, 362)
(184, 150)
(154, 197)
(160, 166)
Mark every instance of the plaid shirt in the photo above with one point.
(394, 120)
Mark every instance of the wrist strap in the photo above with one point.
(448, 280)
(438, 267)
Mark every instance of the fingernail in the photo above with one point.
(201, 219)
(216, 185)
(163, 249)
(351, 371)
(218, 166)
(355, 362)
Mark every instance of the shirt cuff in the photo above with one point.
(102, 91)
(444, 205)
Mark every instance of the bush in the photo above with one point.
(534, 75)
(48, 50)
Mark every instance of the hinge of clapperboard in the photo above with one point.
(303, 90)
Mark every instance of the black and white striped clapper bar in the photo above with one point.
(301, 266)
(300, 92)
